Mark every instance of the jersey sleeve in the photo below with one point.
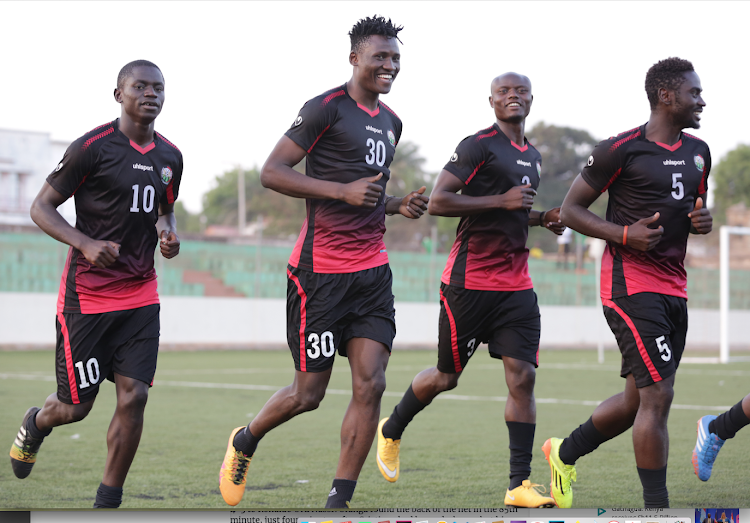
(467, 159)
(72, 170)
(603, 166)
(315, 117)
(703, 187)
(173, 187)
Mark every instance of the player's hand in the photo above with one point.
(169, 244)
(701, 218)
(364, 192)
(517, 198)
(641, 237)
(101, 253)
(414, 204)
(552, 221)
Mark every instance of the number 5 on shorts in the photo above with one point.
(666, 353)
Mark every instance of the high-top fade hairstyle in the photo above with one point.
(667, 74)
(127, 70)
(367, 27)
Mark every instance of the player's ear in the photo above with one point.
(665, 96)
(353, 59)
(118, 95)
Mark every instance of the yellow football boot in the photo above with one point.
(562, 474)
(387, 454)
(233, 473)
(527, 496)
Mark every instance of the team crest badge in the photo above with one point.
(392, 138)
(166, 175)
(699, 163)
(539, 168)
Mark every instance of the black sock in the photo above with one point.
(521, 436)
(35, 431)
(654, 483)
(245, 442)
(728, 423)
(108, 497)
(341, 493)
(586, 438)
(403, 413)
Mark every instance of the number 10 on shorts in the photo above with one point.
(322, 344)
(92, 370)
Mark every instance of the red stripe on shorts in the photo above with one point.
(454, 334)
(68, 359)
(302, 321)
(638, 341)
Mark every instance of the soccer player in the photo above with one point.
(713, 431)
(125, 178)
(656, 177)
(339, 282)
(486, 295)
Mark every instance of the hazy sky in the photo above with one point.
(237, 72)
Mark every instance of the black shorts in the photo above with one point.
(507, 320)
(324, 311)
(650, 329)
(95, 346)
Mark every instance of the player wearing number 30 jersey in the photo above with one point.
(656, 177)
(125, 178)
(339, 295)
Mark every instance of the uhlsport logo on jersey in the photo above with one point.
(392, 138)
(297, 121)
(539, 168)
(166, 175)
(59, 166)
(699, 163)
(591, 161)
(454, 158)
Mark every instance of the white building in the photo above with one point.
(26, 158)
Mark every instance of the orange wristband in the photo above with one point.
(625, 235)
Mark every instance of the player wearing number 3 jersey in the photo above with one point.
(125, 178)
(339, 295)
(486, 294)
(656, 177)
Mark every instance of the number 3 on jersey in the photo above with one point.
(148, 198)
(377, 152)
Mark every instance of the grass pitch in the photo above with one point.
(455, 453)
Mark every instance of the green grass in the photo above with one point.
(455, 453)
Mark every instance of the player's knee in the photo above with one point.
(134, 400)
(369, 390)
(309, 400)
(447, 381)
(523, 380)
(79, 412)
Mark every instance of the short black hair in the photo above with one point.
(127, 70)
(667, 74)
(366, 27)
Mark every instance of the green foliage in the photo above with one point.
(186, 221)
(454, 454)
(732, 181)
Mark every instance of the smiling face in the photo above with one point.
(688, 102)
(142, 94)
(376, 64)
(511, 97)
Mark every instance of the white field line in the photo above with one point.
(343, 392)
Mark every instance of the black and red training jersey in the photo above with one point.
(117, 186)
(490, 249)
(344, 141)
(644, 177)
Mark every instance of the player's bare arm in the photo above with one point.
(278, 175)
(701, 220)
(413, 205)
(101, 253)
(548, 219)
(575, 214)
(169, 242)
(445, 200)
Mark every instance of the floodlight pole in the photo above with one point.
(240, 201)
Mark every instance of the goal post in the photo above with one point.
(724, 236)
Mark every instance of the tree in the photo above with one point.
(186, 221)
(732, 181)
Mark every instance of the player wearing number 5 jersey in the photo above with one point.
(339, 295)
(125, 178)
(656, 177)
(486, 294)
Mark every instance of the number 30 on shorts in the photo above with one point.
(666, 353)
(322, 344)
(92, 370)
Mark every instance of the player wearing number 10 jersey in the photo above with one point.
(656, 176)
(339, 283)
(125, 178)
